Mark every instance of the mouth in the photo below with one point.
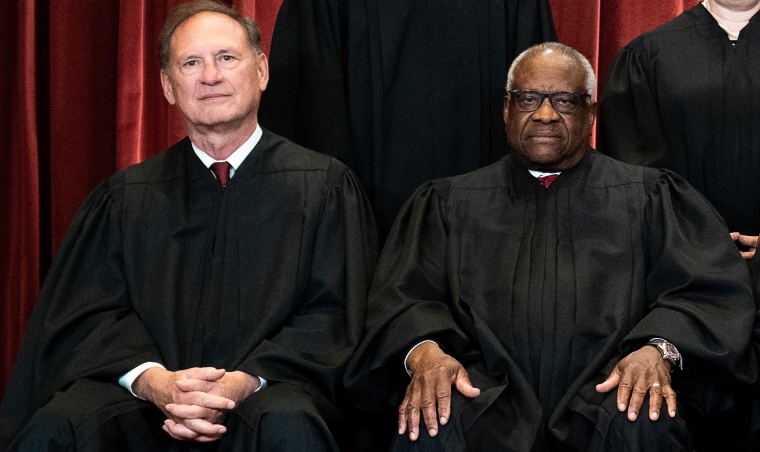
(212, 96)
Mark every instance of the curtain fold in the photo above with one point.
(82, 99)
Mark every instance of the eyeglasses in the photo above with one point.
(562, 101)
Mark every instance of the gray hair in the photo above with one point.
(185, 11)
(563, 49)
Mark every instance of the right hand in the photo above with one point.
(433, 374)
(193, 415)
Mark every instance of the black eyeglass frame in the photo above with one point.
(549, 96)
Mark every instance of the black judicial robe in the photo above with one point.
(402, 91)
(268, 276)
(685, 97)
(540, 292)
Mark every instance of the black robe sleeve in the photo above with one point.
(313, 347)
(630, 127)
(695, 279)
(83, 323)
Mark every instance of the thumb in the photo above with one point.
(610, 383)
(464, 386)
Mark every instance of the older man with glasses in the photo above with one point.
(563, 294)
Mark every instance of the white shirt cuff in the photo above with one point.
(410, 352)
(128, 378)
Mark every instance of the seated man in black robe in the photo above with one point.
(222, 282)
(566, 296)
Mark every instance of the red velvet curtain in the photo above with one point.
(81, 98)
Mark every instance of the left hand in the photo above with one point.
(750, 241)
(234, 386)
(643, 371)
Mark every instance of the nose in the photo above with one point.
(210, 73)
(545, 112)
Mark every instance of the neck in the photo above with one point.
(731, 19)
(220, 144)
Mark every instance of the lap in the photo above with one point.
(96, 415)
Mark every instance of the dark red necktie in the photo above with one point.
(547, 180)
(222, 172)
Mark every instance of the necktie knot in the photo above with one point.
(222, 172)
(547, 180)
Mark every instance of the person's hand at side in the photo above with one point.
(429, 391)
(192, 414)
(638, 374)
(750, 241)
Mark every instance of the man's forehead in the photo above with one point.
(549, 70)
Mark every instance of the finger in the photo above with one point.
(748, 240)
(747, 255)
(195, 384)
(402, 415)
(464, 385)
(670, 398)
(202, 373)
(623, 393)
(610, 383)
(179, 431)
(205, 400)
(655, 401)
(429, 403)
(191, 412)
(638, 393)
(412, 408)
(204, 427)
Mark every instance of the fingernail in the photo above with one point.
(621, 406)
(412, 436)
(673, 413)
(432, 431)
(443, 419)
(632, 416)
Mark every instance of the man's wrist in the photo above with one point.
(127, 380)
(668, 352)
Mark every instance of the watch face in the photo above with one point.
(669, 352)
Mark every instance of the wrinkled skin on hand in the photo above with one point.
(638, 374)
(195, 401)
(429, 391)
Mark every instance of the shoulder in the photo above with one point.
(668, 33)
(276, 154)
(168, 165)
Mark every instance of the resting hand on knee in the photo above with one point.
(643, 371)
(433, 374)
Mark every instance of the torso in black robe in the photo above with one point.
(402, 91)
(540, 292)
(268, 276)
(687, 98)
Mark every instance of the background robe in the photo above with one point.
(401, 91)
(268, 276)
(540, 292)
(685, 97)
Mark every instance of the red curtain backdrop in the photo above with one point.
(81, 98)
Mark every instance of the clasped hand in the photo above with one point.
(195, 401)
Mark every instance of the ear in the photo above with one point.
(263, 68)
(592, 109)
(167, 86)
(506, 108)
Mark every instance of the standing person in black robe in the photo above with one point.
(686, 96)
(401, 91)
(229, 306)
(542, 298)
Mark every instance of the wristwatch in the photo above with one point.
(668, 351)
